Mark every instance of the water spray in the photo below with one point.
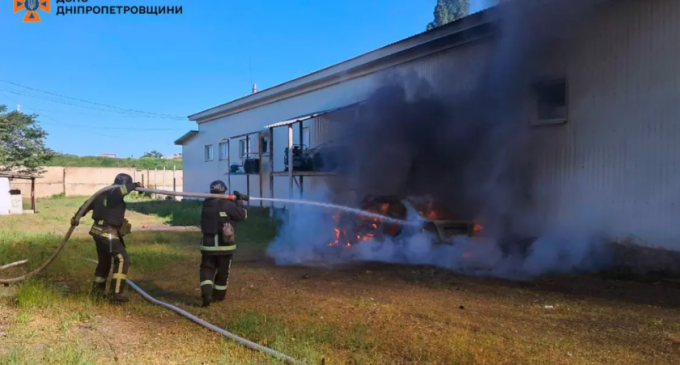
(356, 211)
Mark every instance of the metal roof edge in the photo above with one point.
(302, 118)
(186, 137)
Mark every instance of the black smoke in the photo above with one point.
(470, 148)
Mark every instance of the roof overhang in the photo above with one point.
(261, 131)
(186, 138)
(463, 31)
(304, 117)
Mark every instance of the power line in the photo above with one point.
(62, 124)
(102, 127)
(82, 106)
(119, 109)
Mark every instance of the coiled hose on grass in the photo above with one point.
(146, 296)
(64, 240)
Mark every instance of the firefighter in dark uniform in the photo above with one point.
(217, 250)
(108, 230)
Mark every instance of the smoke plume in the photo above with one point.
(470, 149)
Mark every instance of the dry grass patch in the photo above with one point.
(362, 314)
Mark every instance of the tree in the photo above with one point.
(22, 143)
(153, 154)
(447, 11)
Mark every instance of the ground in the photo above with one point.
(360, 314)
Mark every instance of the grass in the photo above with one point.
(98, 161)
(376, 314)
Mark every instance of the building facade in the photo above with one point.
(607, 143)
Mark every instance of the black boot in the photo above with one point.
(206, 294)
(218, 295)
(98, 290)
(206, 301)
(119, 297)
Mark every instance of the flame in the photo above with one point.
(476, 229)
(431, 215)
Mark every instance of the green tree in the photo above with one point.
(152, 154)
(447, 11)
(22, 143)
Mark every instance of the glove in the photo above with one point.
(74, 221)
(138, 185)
(238, 195)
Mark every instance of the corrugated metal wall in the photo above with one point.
(615, 163)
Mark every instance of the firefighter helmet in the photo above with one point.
(218, 187)
(122, 179)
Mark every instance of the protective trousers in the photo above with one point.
(111, 247)
(214, 276)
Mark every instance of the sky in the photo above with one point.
(124, 84)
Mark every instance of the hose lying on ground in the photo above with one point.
(56, 252)
(3, 267)
(211, 326)
(188, 315)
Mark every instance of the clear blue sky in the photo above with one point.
(178, 64)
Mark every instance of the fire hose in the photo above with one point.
(181, 312)
(208, 325)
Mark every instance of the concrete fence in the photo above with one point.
(83, 181)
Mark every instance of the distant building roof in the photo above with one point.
(186, 137)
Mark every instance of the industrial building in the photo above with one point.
(613, 127)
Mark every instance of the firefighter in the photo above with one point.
(108, 230)
(218, 225)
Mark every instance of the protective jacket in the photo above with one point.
(108, 210)
(214, 214)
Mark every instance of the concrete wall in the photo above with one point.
(82, 181)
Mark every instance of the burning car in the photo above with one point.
(437, 220)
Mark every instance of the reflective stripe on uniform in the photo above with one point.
(98, 279)
(206, 282)
(245, 214)
(228, 271)
(123, 190)
(223, 214)
(220, 287)
(118, 275)
(218, 248)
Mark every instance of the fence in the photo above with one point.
(85, 181)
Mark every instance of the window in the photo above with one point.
(243, 148)
(305, 136)
(224, 151)
(551, 101)
(264, 144)
(209, 152)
